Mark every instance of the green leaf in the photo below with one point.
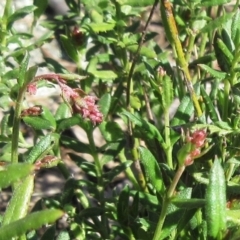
(104, 74)
(18, 14)
(122, 206)
(100, 27)
(30, 73)
(167, 92)
(69, 48)
(75, 145)
(32, 221)
(207, 3)
(62, 112)
(38, 123)
(14, 172)
(188, 203)
(148, 129)
(214, 73)
(104, 104)
(216, 202)
(209, 105)
(69, 122)
(111, 151)
(184, 112)
(47, 114)
(91, 212)
(18, 206)
(111, 131)
(41, 6)
(235, 27)
(136, 3)
(23, 69)
(216, 23)
(117, 170)
(44, 146)
(152, 169)
(144, 51)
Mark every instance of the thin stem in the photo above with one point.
(128, 171)
(166, 202)
(171, 30)
(226, 99)
(16, 125)
(129, 80)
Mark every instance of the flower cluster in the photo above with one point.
(76, 98)
(197, 140)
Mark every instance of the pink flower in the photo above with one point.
(32, 88)
(88, 109)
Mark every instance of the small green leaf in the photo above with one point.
(62, 112)
(38, 123)
(111, 131)
(41, 148)
(216, 23)
(69, 48)
(30, 74)
(41, 5)
(209, 105)
(23, 69)
(122, 206)
(135, 102)
(100, 27)
(188, 203)
(32, 221)
(104, 74)
(145, 51)
(136, 3)
(75, 145)
(184, 112)
(235, 27)
(207, 3)
(104, 103)
(216, 202)
(69, 122)
(18, 206)
(214, 73)
(112, 149)
(225, 50)
(222, 53)
(47, 114)
(117, 170)
(18, 14)
(167, 92)
(14, 172)
(91, 212)
(152, 169)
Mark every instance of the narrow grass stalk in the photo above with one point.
(172, 32)
(167, 201)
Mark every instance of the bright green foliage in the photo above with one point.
(158, 149)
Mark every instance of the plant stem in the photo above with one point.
(226, 99)
(168, 139)
(128, 171)
(99, 172)
(172, 32)
(167, 201)
(131, 71)
(16, 125)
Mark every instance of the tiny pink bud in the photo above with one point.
(32, 88)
